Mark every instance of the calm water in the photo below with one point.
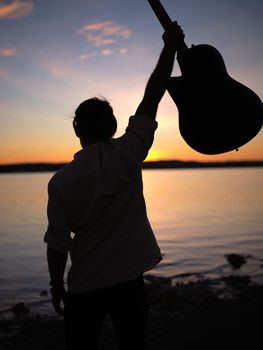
(197, 215)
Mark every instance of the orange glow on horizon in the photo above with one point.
(168, 145)
(65, 156)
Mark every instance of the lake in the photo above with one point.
(198, 216)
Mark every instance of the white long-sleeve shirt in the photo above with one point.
(99, 198)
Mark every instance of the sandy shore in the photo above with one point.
(204, 314)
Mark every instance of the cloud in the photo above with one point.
(123, 51)
(15, 9)
(87, 56)
(8, 52)
(58, 71)
(104, 52)
(104, 33)
(107, 52)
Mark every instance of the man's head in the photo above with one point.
(94, 121)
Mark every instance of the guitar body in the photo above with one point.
(217, 114)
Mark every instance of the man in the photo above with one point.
(98, 197)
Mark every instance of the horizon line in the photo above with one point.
(146, 161)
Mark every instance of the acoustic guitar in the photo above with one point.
(217, 114)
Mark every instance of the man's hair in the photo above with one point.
(94, 120)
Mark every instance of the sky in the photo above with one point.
(56, 53)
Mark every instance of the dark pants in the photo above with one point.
(125, 303)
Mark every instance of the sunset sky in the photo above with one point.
(56, 53)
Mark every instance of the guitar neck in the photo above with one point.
(163, 17)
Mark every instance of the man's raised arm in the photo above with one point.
(158, 81)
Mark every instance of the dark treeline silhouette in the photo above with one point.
(162, 164)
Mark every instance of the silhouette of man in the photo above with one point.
(96, 212)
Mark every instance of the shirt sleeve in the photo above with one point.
(139, 136)
(58, 232)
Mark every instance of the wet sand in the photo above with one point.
(202, 314)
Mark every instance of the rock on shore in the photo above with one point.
(225, 313)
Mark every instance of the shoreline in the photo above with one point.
(201, 314)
